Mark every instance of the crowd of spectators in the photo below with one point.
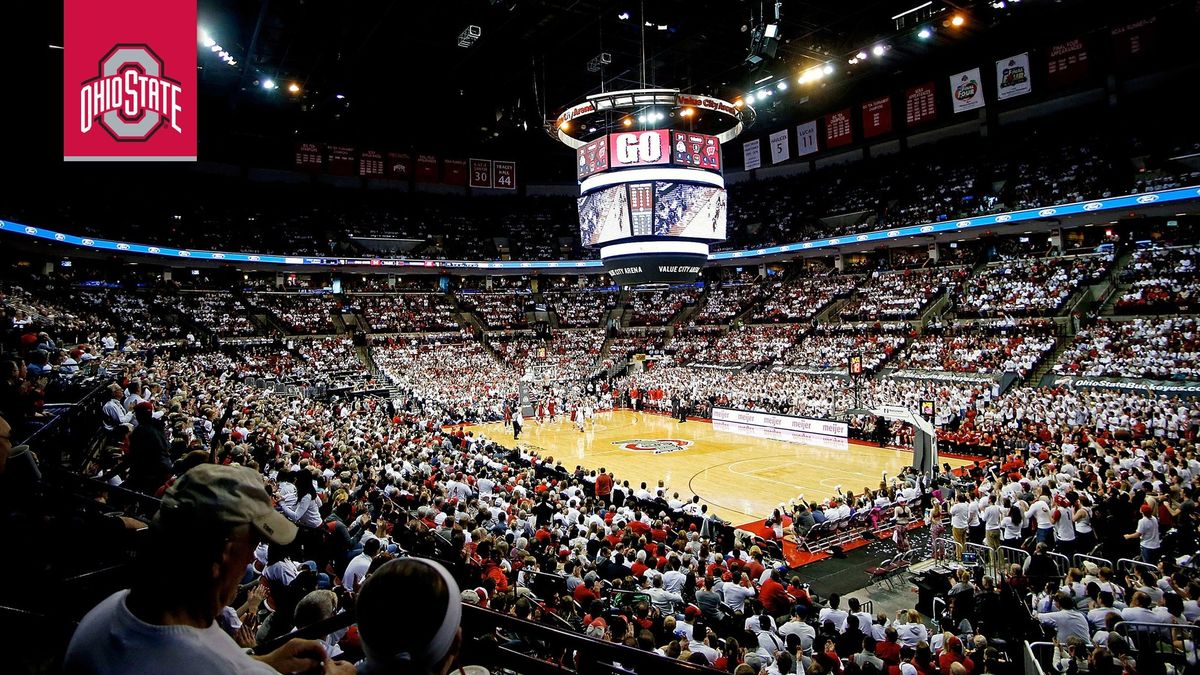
(1157, 349)
(497, 310)
(802, 297)
(1030, 286)
(301, 314)
(726, 300)
(1161, 280)
(585, 308)
(220, 312)
(569, 355)
(972, 350)
(405, 312)
(902, 294)
(659, 307)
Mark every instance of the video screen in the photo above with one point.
(688, 210)
(604, 215)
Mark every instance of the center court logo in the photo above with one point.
(658, 446)
(131, 98)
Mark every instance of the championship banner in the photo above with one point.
(1133, 42)
(1012, 77)
(1067, 63)
(481, 173)
(920, 104)
(454, 171)
(370, 164)
(504, 175)
(966, 90)
(781, 149)
(752, 154)
(806, 138)
(427, 168)
(129, 81)
(341, 160)
(877, 117)
(309, 156)
(399, 165)
(837, 129)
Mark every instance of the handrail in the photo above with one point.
(1032, 665)
(1126, 565)
(1079, 558)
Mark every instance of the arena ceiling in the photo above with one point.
(389, 73)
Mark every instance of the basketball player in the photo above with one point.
(577, 415)
(550, 407)
(516, 422)
(589, 413)
(508, 416)
(541, 411)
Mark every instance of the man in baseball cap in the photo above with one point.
(200, 543)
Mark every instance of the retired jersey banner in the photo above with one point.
(752, 154)
(920, 104)
(1012, 77)
(877, 117)
(806, 139)
(781, 149)
(1067, 63)
(129, 81)
(504, 175)
(966, 90)
(837, 129)
(481, 173)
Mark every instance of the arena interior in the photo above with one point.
(615, 337)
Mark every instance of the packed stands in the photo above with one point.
(497, 309)
(1031, 286)
(659, 307)
(405, 312)
(300, 314)
(1156, 349)
(568, 355)
(1161, 280)
(583, 308)
(888, 296)
(801, 298)
(220, 312)
(726, 301)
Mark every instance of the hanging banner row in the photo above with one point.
(339, 160)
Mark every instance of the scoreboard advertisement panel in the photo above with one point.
(591, 158)
(695, 150)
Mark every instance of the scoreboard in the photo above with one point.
(652, 200)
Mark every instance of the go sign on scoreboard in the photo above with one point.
(639, 148)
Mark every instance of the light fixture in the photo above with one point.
(877, 50)
(565, 126)
(623, 16)
(781, 86)
(209, 42)
(924, 33)
(293, 87)
(853, 60)
(627, 121)
(861, 56)
(739, 103)
(828, 69)
(215, 47)
(340, 96)
(268, 84)
(641, 119)
(763, 79)
(958, 20)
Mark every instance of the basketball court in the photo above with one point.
(742, 479)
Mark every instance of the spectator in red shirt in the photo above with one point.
(604, 485)
(889, 648)
(774, 596)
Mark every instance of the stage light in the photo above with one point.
(853, 61)
(924, 34)
(565, 126)
(340, 96)
(877, 50)
(268, 84)
(763, 78)
(627, 122)
(957, 21)
(687, 112)
(623, 16)
(293, 87)
(215, 47)
(739, 103)
(861, 56)
(782, 86)
(828, 69)
(641, 119)
(208, 42)
(232, 62)
(222, 53)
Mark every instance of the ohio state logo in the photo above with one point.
(131, 98)
(658, 446)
